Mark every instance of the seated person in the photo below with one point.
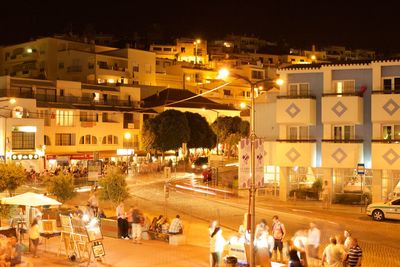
(15, 251)
(176, 226)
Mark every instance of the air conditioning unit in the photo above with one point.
(131, 126)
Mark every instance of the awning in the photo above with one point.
(30, 199)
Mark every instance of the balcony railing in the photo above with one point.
(381, 92)
(300, 96)
(386, 141)
(360, 94)
(297, 140)
(66, 99)
(353, 141)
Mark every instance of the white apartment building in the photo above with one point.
(186, 50)
(330, 119)
(58, 59)
(58, 122)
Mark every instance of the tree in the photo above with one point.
(201, 134)
(114, 186)
(12, 176)
(62, 186)
(149, 134)
(230, 130)
(167, 131)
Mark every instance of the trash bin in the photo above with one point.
(230, 261)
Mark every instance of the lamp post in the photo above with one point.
(252, 189)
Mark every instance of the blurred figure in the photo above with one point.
(326, 193)
(333, 254)
(313, 242)
(294, 260)
(217, 244)
(34, 234)
(347, 239)
(278, 232)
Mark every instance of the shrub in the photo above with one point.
(62, 186)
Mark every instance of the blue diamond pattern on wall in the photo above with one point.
(293, 110)
(391, 107)
(339, 155)
(339, 108)
(391, 156)
(293, 154)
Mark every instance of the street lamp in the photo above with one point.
(196, 43)
(252, 190)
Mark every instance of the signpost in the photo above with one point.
(361, 172)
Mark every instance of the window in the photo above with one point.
(167, 49)
(64, 117)
(61, 92)
(61, 65)
(299, 89)
(246, 93)
(227, 92)
(135, 68)
(298, 133)
(65, 139)
(110, 140)
(344, 87)
(255, 74)
(156, 48)
(88, 139)
(88, 116)
(90, 65)
(47, 140)
(23, 140)
(45, 115)
(391, 132)
(183, 49)
(343, 132)
(391, 85)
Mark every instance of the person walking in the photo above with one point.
(278, 232)
(217, 244)
(122, 221)
(136, 225)
(34, 234)
(313, 242)
(294, 259)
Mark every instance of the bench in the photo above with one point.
(172, 239)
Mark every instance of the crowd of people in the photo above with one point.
(131, 224)
(300, 250)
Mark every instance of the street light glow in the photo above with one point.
(280, 82)
(127, 136)
(223, 73)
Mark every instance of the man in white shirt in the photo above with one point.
(313, 242)
(333, 254)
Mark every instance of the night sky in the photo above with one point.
(355, 24)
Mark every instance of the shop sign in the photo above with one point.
(24, 156)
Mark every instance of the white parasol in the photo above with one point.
(30, 199)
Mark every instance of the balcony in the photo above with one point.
(385, 107)
(341, 153)
(43, 99)
(295, 153)
(296, 111)
(342, 108)
(385, 154)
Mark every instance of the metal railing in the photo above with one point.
(353, 141)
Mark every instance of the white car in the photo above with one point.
(384, 210)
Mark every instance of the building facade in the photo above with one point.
(332, 119)
(59, 122)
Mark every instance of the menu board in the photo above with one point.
(66, 223)
(98, 249)
(94, 233)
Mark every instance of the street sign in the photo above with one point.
(360, 168)
(245, 163)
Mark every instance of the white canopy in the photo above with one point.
(30, 199)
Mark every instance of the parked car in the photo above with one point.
(200, 164)
(384, 210)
